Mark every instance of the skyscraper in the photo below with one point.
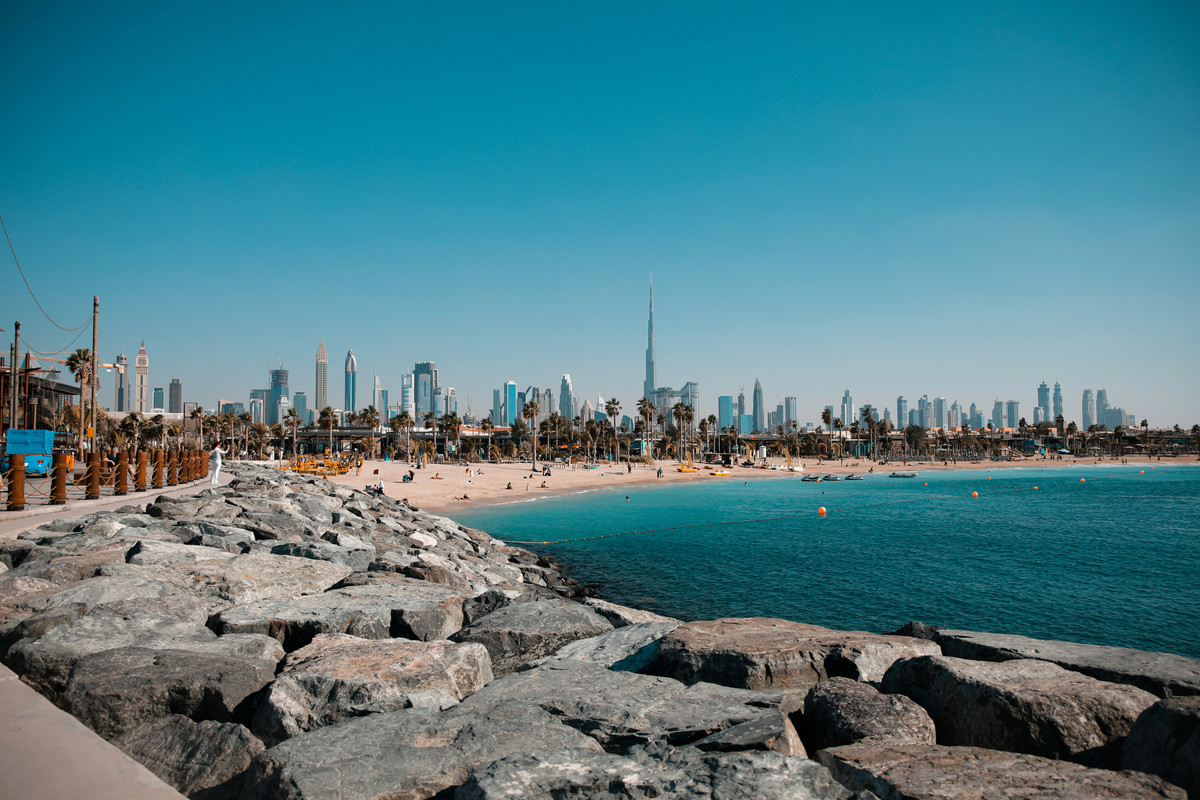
(997, 419)
(1044, 401)
(565, 403)
(789, 411)
(157, 405)
(1089, 410)
(351, 381)
(1102, 408)
(651, 382)
(901, 411)
(940, 413)
(300, 403)
(741, 405)
(1012, 413)
(406, 396)
(425, 381)
(322, 379)
(278, 391)
(1058, 404)
(121, 387)
(377, 397)
(725, 411)
(847, 415)
(511, 408)
(141, 387)
(760, 413)
(175, 397)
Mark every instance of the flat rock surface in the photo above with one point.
(338, 677)
(1165, 741)
(933, 772)
(522, 632)
(841, 711)
(1022, 706)
(630, 648)
(679, 773)
(763, 653)
(203, 760)
(404, 754)
(1161, 674)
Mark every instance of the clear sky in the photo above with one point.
(946, 199)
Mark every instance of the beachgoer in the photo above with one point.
(509, 485)
(215, 461)
(660, 472)
(436, 477)
(543, 484)
(628, 470)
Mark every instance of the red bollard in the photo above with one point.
(172, 468)
(140, 478)
(158, 470)
(93, 487)
(58, 480)
(121, 484)
(16, 483)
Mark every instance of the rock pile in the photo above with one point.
(285, 637)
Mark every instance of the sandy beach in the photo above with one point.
(444, 488)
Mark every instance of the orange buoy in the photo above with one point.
(989, 477)
(1141, 472)
(924, 484)
(1081, 480)
(821, 511)
(1035, 488)
(974, 494)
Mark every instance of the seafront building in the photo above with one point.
(1058, 402)
(1089, 410)
(156, 407)
(847, 414)
(566, 407)
(760, 419)
(425, 382)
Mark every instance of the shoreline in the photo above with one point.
(440, 488)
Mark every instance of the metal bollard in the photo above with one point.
(140, 478)
(157, 481)
(122, 482)
(93, 486)
(16, 483)
(58, 480)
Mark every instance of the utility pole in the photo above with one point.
(95, 320)
(12, 375)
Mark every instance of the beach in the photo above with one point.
(445, 488)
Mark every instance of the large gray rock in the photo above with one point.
(46, 662)
(1165, 741)
(632, 648)
(203, 760)
(170, 554)
(1024, 706)
(338, 677)
(404, 754)
(522, 632)
(357, 558)
(841, 711)
(771, 731)
(409, 609)
(1162, 674)
(679, 773)
(933, 772)
(284, 527)
(103, 589)
(762, 653)
(114, 691)
(621, 616)
(622, 709)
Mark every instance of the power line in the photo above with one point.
(30, 288)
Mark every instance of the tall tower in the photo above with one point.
(121, 390)
(651, 378)
(322, 379)
(351, 380)
(1089, 410)
(1043, 395)
(141, 388)
(425, 383)
(175, 397)
(278, 392)
(565, 402)
(1058, 404)
(760, 413)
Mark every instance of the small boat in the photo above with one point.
(853, 477)
(831, 477)
(720, 472)
(903, 475)
(811, 479)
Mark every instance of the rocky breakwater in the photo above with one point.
(285, 637)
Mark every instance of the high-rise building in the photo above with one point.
(1012, 414)
(997, 419)
(1043, 394)
(121, 387)
(497, 407)
(924, 412)
(1089, 410)
(377, 395)
(746, 424)
(789, 411)
(322, 388)
(406, 396)
(351, 382)
(566, 405)
(741, 404)
(1102, 407)
(725, 418)
(651, 382)
(445, 401)
(511, 409)
(1058, 403)
(847, 415)
(941, 413)
(141, 387)
(760, 413)
(425, 381)
(175, 397)
(157, 405)
(901, 410)
(278, 391)
(256, 409)
(956, 415)
(300, 403)
(689, 395)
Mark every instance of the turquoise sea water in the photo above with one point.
(1112, 560)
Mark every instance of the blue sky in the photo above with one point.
(940, 199)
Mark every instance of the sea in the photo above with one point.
(1105, 554)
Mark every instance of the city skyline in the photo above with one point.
(961, 203)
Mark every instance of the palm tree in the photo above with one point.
(246, 420)
(487, 426)
(292, 420)
(450, 425)
(327, 420)
(1145, 426)
(198, 415)
(645, 411)
(369, 416)
(827, 420)
(429, 421)
(613, 409)
(79, 364)
(530, 412)
(132, 428)
(838, 425)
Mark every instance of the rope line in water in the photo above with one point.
(774, 519)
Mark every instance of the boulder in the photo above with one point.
(114, 691)
(410, 610)
(1165, 741)
(522, 632)
(761, 653)
(622, 709)
(771, 731)
(338, 677)
(632, 648)
(933, 772)
(100, 590)
(404, 754)
(252, 577)
(170, 554)
(677, 773)
(357, 559)
(277, 525)
(841, 711)
(1162, 674)
(621, 616)
(203, 760)
(1023, 706)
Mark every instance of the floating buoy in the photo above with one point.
(989, 477)
(974, 494)
(821, 511)
(924, 484)
(1141, 472)
(1081, 480)
(1035, 488)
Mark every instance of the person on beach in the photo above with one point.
(660, 472)
(215, 461)
(509, 485)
